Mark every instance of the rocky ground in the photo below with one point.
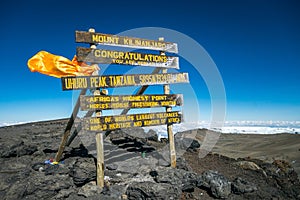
(136, 167)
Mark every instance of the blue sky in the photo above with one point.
(255, 45)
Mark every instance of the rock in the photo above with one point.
(150, 190)
(283, 166)
(116, 191)
(18, 149)
(182, 164)
(162, 162)
(152, 136)
(37, 166)
(182, 142)
(38, 186)
(218, 184)
(83, 171)
(130, 134)
(90, 189)
(112, 167)
(51, 169)
(63, 194)
(241, 186)
(186, 181)
(248, 165)
(16, 191)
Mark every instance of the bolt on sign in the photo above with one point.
(111, 81)
(109, 123)
(102, 102)
(121, 41)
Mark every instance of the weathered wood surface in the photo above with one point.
(111, 81)
(129, 101)
(126, 58)
(109, 123)
(123, 41)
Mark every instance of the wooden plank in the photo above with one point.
(109, 81)
(98, 136)
(68, 128)
(123, 41)
(104, 56)
(100, 159)
(106, 123)
(129, 101)
(100, 150)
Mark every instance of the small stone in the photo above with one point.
(218, 184)
(89, 190)
(124, 197)
(241, 186)
(112, 167)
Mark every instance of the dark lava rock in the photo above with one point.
(51, 169)
(218, 184)
(38, 186)
(182, 164)
(17, 150)
(150, 190)
(112, 167)
(83, 171)
(152, 135)
(185, 180)
(131, 134)
(241, 186)
(185, 143)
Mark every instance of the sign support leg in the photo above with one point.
(100, 152)
(99, 135)
(169, 126)
(100, 160)
(68, 128)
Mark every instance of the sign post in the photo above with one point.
(169, 125)
(99, 136)
(101, 101)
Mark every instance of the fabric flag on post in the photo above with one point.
(59, 66)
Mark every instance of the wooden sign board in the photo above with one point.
(101, 102)
(122, 41)
(109, 123)
(108, 81)
(126, 58)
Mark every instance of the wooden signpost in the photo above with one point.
(109, 123)
(111, 81)
(101, 101)
(121, 41)
(129, 101)
(126, 58)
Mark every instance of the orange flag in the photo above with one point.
(58, 66)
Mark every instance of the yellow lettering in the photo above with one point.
(75, 83)
(137, 124)
(107, 119)
(151, 122)
(95, 38)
